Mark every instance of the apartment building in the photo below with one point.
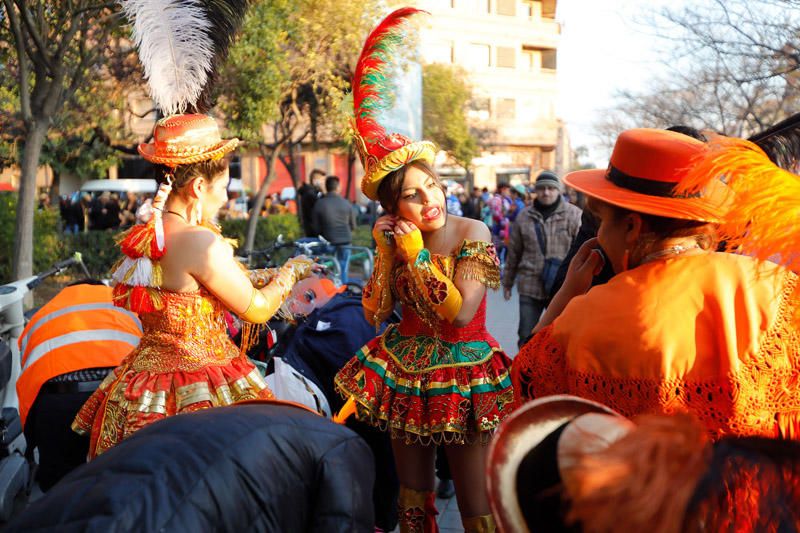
(508, 48)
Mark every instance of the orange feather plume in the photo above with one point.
(765, 211)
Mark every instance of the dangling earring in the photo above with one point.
(198, 213)
(626, 257)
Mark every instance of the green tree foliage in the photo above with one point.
(52, 53)
(445, 97)
(47, 245)
(287, 74)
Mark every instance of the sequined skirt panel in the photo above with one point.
(427, 389)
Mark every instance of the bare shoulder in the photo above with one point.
(470, 229)
(201, 242)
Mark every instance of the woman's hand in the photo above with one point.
(408, 239)
(586, 264)
(403, 227)
(384, 225)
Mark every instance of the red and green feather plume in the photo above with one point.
(373, 90)
(373, 93)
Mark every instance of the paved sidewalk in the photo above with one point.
(502, 318)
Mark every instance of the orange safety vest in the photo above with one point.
(78, 329)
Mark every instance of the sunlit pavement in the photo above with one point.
(502, 318)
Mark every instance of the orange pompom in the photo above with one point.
(135, 243)
(119, 295)
(140, 301)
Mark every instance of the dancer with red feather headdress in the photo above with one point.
(438, 377)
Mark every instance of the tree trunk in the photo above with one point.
(291, 166)
(22, 265)
(351, 159)
(258, 202)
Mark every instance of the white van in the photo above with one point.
(139, 186)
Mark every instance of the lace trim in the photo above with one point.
(762, 398)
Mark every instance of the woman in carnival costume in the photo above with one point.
(438, 377)
(680, 327)
(178, 273)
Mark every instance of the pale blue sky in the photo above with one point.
(604, 47)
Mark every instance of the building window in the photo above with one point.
(506, 108)
(506, 57)
(549, 59)
(441, 52)
(533, 9)
(548, 9)
(507, 7)
(478, 56)
(535, 58)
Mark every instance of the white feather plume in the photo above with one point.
(174, 47)
(136, 272)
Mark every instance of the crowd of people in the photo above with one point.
(658, 380)
(105, 211)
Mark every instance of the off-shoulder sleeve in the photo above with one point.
(539, 369)
(477, 260)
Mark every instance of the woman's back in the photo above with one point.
(711, 333)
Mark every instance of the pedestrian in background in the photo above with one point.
(334, 218)
(540, 239)
(308, 195)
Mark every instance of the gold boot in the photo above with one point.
(417, 511)
(479, 524)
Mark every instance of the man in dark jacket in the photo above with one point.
(540, 238)
(308, 194)
(334, 218)
(266, 466)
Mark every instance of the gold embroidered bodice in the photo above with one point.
(186, 334)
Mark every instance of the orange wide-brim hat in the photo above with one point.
(186, 139)
(643, 174)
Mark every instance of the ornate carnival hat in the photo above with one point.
(643, 174)
(523, 480)
(562, 463)
(381, 152)
(181, 44)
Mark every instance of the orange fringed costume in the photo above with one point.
(184, 362)
(704, 333)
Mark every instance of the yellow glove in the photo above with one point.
(438, 291)
(265, 302)
(409, 245)
(261, 277)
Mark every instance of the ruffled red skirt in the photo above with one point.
(427, 389)
(128, 399)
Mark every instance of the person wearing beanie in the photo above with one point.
(539, 241)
